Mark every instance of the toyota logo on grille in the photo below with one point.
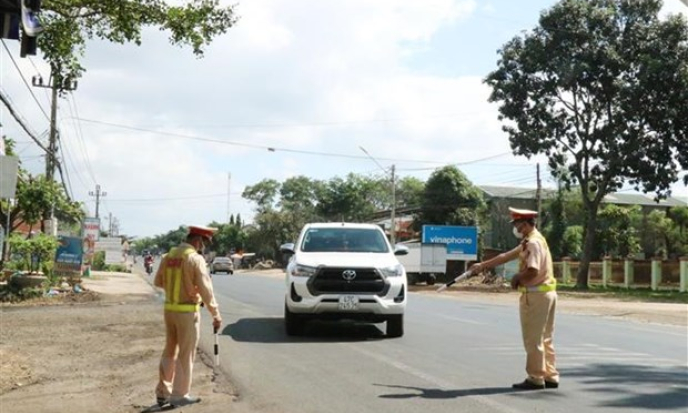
(349, 275)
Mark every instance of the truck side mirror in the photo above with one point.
(400, 250)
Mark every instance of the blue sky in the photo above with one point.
(315, 80)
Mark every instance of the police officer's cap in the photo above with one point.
(205, 232)
(521, 214)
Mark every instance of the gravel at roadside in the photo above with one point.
(94, 352)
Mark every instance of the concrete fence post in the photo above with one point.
(656, 275)
(606, 270)
(565, 270)
(684, 274)
(628, 272)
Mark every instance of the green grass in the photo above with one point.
(633, 294)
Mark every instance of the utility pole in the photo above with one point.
(393, 231)
(229, 186)
(57, 84)
(97, 194)
(393, 226)
(110, 224)
(538, 194)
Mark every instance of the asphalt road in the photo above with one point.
(454, 357)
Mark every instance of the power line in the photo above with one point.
(179, 198)
(333, 123)
(5, 99)
(24, 80)
(82, 141)
(80, 147)
(274, 148)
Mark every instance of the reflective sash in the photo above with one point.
(173, 281)
(551, 283)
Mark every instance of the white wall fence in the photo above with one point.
(658, 274)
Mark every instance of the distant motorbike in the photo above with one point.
(149, 268)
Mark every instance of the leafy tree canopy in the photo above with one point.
(36, 194)
(70, 23)
(601, 88)
(451, 199)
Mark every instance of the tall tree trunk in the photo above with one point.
(588, 246)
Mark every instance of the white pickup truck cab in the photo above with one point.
(344, 271)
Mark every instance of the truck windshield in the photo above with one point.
(344, 240)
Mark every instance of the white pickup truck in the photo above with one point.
(344, 271)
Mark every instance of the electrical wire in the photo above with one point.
(20, 120)
(249, 145)
(79, 144)
(333, 123)
(81, 140)
(16, 66)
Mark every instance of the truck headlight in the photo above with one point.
(393, 271)
(303, 271)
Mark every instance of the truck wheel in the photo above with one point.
(412, 279)
(293, 323)
(395, 325)
(431, 279)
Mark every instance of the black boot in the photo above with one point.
(528, 385)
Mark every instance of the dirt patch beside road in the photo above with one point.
(97, 356)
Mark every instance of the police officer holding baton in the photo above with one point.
(537, 304)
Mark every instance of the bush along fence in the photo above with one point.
(655, 273)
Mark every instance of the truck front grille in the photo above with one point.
(332, 280)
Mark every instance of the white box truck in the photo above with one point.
(424, 262)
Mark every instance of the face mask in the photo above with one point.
(517, 234)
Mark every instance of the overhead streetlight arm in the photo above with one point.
(373, 159)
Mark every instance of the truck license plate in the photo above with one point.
(348, 302)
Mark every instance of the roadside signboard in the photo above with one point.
(9, 169)
(68, 257)
(91, 228)
(90, 232)
(114, 252)
(461, 242)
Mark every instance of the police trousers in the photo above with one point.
(536, 311)
(176, 363)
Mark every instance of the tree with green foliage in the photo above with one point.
(572, 244)
(68, 24)
(34, 195)
(270, 230)
(300, 194)
(679, 239)
(409, 192)
(450, 198)
(556, 222)
(163, 243)
(227, 237)
(659, 228)
(616, 234)
(352, 199)
(601, 88)
(264, 194)
(43, 247)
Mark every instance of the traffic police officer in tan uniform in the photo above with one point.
(535, 280)
(184, 277)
